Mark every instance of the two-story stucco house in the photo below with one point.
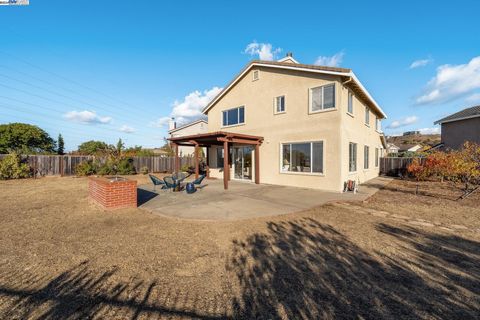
(292, 124)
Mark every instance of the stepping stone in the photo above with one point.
(446, 229)
(399, 216)
(382, 214)
(457, 226)
(421, 223)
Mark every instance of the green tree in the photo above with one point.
(93, 147)
(25, 138)
(60, 145)
(119, 148)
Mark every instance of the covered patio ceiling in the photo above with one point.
(218, 138)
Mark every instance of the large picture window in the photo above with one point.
(306, 157)
(352, 157)
(233, 116)
(322, 98)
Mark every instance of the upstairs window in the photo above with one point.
(322, 98)
(367, 116)
(378, 124)
(234, 116)
(280, 104)
(350, 103)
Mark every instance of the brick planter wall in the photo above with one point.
(112, 194)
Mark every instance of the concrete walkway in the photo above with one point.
(244, 200)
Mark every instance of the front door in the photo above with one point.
(242, 163)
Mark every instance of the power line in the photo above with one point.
(61, 95)
(69, 80)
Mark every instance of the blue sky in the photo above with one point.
(117, 69)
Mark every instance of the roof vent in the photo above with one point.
(289, 54)
(288, 58)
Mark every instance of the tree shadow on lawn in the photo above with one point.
(80, 293)
(305, 269)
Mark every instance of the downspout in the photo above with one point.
(347, 81)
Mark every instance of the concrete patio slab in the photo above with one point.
(244, 200)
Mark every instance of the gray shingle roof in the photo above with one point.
(464, 114)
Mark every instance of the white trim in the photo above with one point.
(293, 67)
(284, 105)
(188, 125)
(311, 173)
(288, 58)
(236, 124)
(457, 119)
(310, 99)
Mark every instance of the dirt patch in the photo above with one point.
(63, 258)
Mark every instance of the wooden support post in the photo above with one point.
(196, 161)
(226, 173)
(177, 160)
(257, 164)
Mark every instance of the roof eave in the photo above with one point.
(298, 68)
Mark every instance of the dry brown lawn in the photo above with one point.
(62, 258)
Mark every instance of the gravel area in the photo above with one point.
(63, 258)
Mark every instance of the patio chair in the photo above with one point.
(199, 180)
(179, 177)
(169, 183)
(157, 182)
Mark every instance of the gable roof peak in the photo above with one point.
(288, 59)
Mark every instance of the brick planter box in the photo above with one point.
(113, 193)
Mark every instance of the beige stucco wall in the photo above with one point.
(454, 134)
(197, 128)
(354, 129)
(297, 124)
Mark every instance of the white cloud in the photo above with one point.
(190, 108)
(333, 61)
(434, 130)
(451, 82)
(420, 63)
(474, 98)
(88, 117)
(403, 122)
(265, 51)
(160, 122)
(126, 129)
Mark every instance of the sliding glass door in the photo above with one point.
(242, 163)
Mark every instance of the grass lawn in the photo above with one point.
(397, 255)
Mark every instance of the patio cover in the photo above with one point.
(218, 138)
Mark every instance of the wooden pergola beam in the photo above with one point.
(226, 173)
(241, 141)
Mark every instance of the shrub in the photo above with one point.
(14, 167)
(144, 170)
(125, 166)
(86, 168)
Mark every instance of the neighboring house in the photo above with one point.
(286, 123)
(392, 149)
(460, 127)
(192, 128)
(409, 148)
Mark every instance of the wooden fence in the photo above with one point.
(50, 165)
(395, 166)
